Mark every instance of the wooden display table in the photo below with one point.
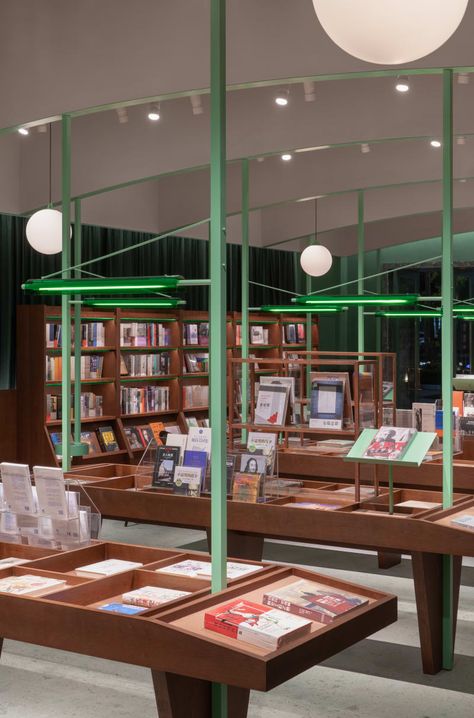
(366, 525)
(184, 657)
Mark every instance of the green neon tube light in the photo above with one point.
(288, 309)
(413, 314)
(467, 318)
(132, 302)
(463, 308)
(359, 299)
(118, 285)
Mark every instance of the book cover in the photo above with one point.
(312, 505)
(51, 493)
(253, 463)
(121, 608)
(178, 440)
(152, 596)
(199, 439)
(390, 443)
(29, 585)
(12, 561)
(133, 437)
(234, 569)
(255, 623)
(327, 404)
(17, 489)
(188, 567)
(348, 414)
(468, 404)
(466, 521)
(108, 567)
(90, 438)
(271, 405)
(256, 335)
(192, 334)
(313, 600)
(146, 434)
(204, 333)
(196, 459)
(107, 438)
(159, 431)
(187, 480)
(167, 458)
(246, 487)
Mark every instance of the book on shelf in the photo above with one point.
(145, 399)
(387, 390)
(197, 460)
(468, 404)
(91, 367)
(191, 421)
(199, 439)
(108, 567)
(92, 334)
(144, 334)
(404, 418)
(293, 333)
(195, 395)
(312, 600)
(57, 440)
(152, 596)
(288, 381)
(258, 334)
(293, 369)
(159, 431)
(348, 414)
(314, 505)
(140, 365)
(196, 363)
(415, 504)
(424, 416)
(247, 487)
(29, 585)
(134, 437)
(255, 623)
(173, 429)
(187, 480)
(465, 521)
(166, 461)
(466, 425)
(51, 493)
(203, 334)
(178, 440)
(91, 406)
(264, 442)
(335, 447)
(17, 488)
(90, 438)
(272, 405)
(190, 333)
(253, 463)
(146, 434)
(390, 443)
(327, 404)
(123, 608)
(107, 438)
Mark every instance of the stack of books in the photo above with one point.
(144, 334)
(139, 400)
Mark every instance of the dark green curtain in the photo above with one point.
(172, 255)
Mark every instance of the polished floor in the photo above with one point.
(378, 678)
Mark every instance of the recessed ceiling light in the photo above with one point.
(286, 157)
(154, 113)
(309, 90)
(463, 180)
(196, 104)
(23, 131)
(282, 98)
(365, 148)
(402, 84)
(122, 115)
(463, 78)
(435, 143)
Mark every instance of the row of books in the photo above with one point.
(196, 333)
(91, 367)
(102, 439)
(195, 363)
(258, 334)
(92, 334)
(91, 406)
(195, 395)
(140, 400)
(145, 364)
(144, 334)
(293, 333)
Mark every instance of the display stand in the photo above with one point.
(413, 456)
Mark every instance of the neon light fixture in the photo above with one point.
(463, 309)
(131, 303)
(115, 285)
(292, 309)
(466, 317)
(359, 299)
(412, 314)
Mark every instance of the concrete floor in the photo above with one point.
(380, 676)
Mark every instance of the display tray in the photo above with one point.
(18, 550)
(172, 638)
(444, 517)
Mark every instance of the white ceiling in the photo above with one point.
(59, 55)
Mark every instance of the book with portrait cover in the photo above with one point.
(312, 600)
(167, 458)
(134, 437)
(255, 623)
(390, 443)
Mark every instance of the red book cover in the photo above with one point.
(313, 600)
(227, 617)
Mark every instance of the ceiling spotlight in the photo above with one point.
(196, 104)
(122, 115)
(435, 143)
(402, 84)
(282, 98)
(286, 157)
(23, 131)
(365, 148)
(309, 91)
(460, 140)
(463, 78)
(154, 112)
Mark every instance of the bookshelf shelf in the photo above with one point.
(148, 349)
(57, 350)
(107, 380)
(149, 413)
(194, 374)
(204, 407)
(84, 420)
(155, 377)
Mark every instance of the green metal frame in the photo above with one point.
(245, 293)
(65, 306)
(360, 269)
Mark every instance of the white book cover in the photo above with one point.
(271, 405)
(13, 561)
(424, 415)
(259, 440)
(51, 490)
(188, 567)
(413, 504)
(151, 596)
(466, 521)
(17, 489)
(288, 381)
(187, 480)
(178, 440)
(271, 628)
(108, 567)
(28, 585)
(234, 569)
(199, 439)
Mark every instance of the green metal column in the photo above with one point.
(360, 268)
(343, 324)
(378, 289)
(245, 292)
(65, 306)
(309, 320)
(447, 353)
(77, 324)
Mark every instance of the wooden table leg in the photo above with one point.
(182, 697)
(241, 545)
(428, 579)
(388, 559)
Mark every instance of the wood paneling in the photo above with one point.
(8, 432)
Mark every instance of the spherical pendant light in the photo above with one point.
(44, 231)
(390, 32)
(316, 260)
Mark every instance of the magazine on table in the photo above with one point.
(390, 443)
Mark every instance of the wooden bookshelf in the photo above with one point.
(35, 427)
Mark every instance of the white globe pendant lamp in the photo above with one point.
(390, 32)
(44, 231)
(316, 260)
